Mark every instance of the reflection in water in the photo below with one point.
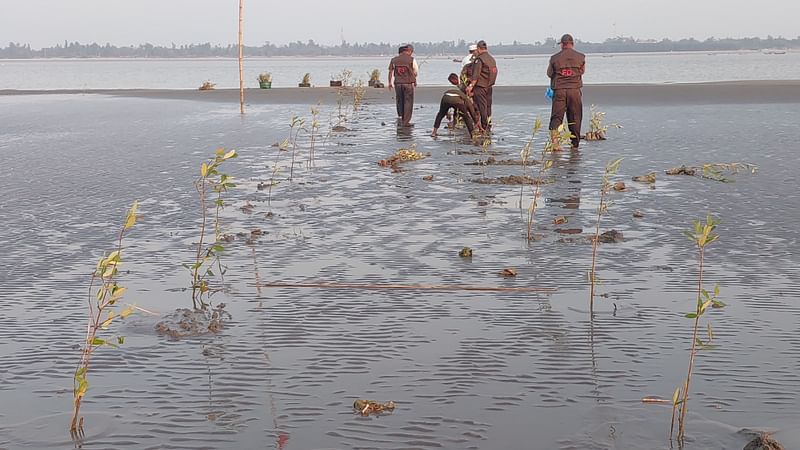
(404, 134)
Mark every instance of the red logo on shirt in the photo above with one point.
(567, 72)
(401, 70)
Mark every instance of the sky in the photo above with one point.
(45, 23)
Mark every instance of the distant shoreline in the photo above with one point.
(729, 92)
(389, 55)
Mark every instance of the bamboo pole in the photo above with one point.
(418, 287)
(241, 57)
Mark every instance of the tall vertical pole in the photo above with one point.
(241, 57)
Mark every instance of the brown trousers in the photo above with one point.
(483, 103)
(404, 96)
(569, 101)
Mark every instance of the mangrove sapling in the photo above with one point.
(314, 129)
(282, 147)
(101, 315)
(544, 165)
(702, 235)
(358, 95)
(597, 129)
(525, 153)
(605, 187)
(294, 130)
(211, 180)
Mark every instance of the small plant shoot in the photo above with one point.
(104, 295)
(702, 235)
(610, 170)
(210, 182)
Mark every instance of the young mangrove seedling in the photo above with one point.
(525, 154)
(294, 130)
(314, 130)
(702, 235)
(359, 89)
(605, 187)
(597, 129)
(104, 294)
(211, 181)
(544, 165)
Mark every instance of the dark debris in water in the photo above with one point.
(367, 407)
(186, 322)
(611, 237)
(510, 180)
(682, 170)
(763, 442)
(492, 161)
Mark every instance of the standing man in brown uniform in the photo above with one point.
(565, 72)
(403, 69)
(482, 78)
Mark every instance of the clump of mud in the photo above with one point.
(682, 170)
(492, 161)
(611, 237)
(186, 322)
(763, 442)
(510, 180)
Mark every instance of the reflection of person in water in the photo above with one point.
(462, 105)
(571, 199)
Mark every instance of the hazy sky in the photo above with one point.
(43, 23)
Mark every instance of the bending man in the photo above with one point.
(458, 101)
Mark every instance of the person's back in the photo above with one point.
(566, 69)
(403, 65)
(487, 70)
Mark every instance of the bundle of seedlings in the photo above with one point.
(597, 129)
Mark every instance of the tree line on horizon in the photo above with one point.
(619, 44)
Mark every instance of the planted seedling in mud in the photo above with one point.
(702, 235)
(375, 79)
(597, 129)
(294, 130)
(306, 81)
(282, 147)
(525, 154)
(314, 129)
(605, 187)
(101, 303)
(211, 181)
(545, 164)
(358, 95)
(714, 171)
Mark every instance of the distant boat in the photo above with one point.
(456, 60)
(773, 52)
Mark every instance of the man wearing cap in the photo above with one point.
(483, 77)
(403, 68)
(565, 71)
(466, 65)
(468, 59)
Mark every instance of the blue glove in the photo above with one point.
(549, 93)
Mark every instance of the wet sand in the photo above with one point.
(733, 92)
(478, 370)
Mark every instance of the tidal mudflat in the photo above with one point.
(466, 369)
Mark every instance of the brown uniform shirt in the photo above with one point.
(566, 69)
(484, 69)
(403, 67)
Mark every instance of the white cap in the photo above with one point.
(473, 47)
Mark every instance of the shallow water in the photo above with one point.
(466, 369)
(522, 70)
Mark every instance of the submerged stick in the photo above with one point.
(425, 287)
